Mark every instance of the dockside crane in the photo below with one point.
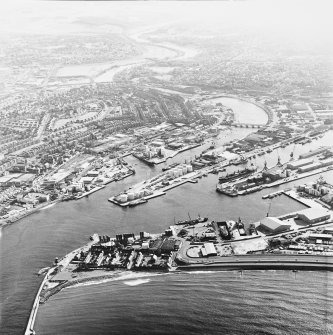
(269, 207)
(292, 152)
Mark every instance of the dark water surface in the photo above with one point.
(256, 302)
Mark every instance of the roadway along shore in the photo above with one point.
(264, 262)
(229, 263)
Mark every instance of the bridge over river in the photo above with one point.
(246, 125)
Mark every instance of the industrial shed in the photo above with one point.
(273, 225)
(210, 249)
(300, 163)
(314, 215)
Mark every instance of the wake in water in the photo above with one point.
(130, 278)
(136, 282)
(47, 206)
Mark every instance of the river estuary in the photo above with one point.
(33, 243)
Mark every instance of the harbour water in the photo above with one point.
(255, 302)
(32, 243)
(254, 115)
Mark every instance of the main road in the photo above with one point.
(262, 262)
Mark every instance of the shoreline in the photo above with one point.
(7, 222)
(301, 263)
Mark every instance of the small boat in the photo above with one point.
(43, 271)
(137, 202)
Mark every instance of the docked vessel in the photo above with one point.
(229, 190)
(137, 202)
(68, 197)
(240, 227)
(241, 173)
(143, 159)
(171, 166)
(239, 161)
(191, 222)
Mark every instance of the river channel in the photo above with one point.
(33, 242)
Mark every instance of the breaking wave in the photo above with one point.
(130, 278)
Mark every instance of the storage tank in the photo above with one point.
(123, 197)
(130, 196)
(189, 168)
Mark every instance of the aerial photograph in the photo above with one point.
(166, 167)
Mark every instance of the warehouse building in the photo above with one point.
(314, 152)
(310, 167)
(272, 225)
(320, 238)
(209, 249)
(5, 180)
(297, 164)
(314, 215)
(24, 179)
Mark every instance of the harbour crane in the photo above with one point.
(269, 207)
(292, 152)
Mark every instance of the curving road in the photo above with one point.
(266, 262)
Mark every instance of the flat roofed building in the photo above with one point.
(87, 180)
(273, 225)
(297, 164)
(314, 152)
(92, 173)
(59, 176)
(328, 230)
(26, 178)
(320, 236)
(175, 145)
(314, 215)
(210, 249)
(309, 167)
(327, 162)
(5, 179)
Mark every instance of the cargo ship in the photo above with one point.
(240, 227)
(143, 159)
(171, 166)
(229, 190)
(137, 202)
(68, 197)
(192, 222)
(241, 173)
(239, 161)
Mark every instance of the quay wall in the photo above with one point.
(271, 262)
(31, 321)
